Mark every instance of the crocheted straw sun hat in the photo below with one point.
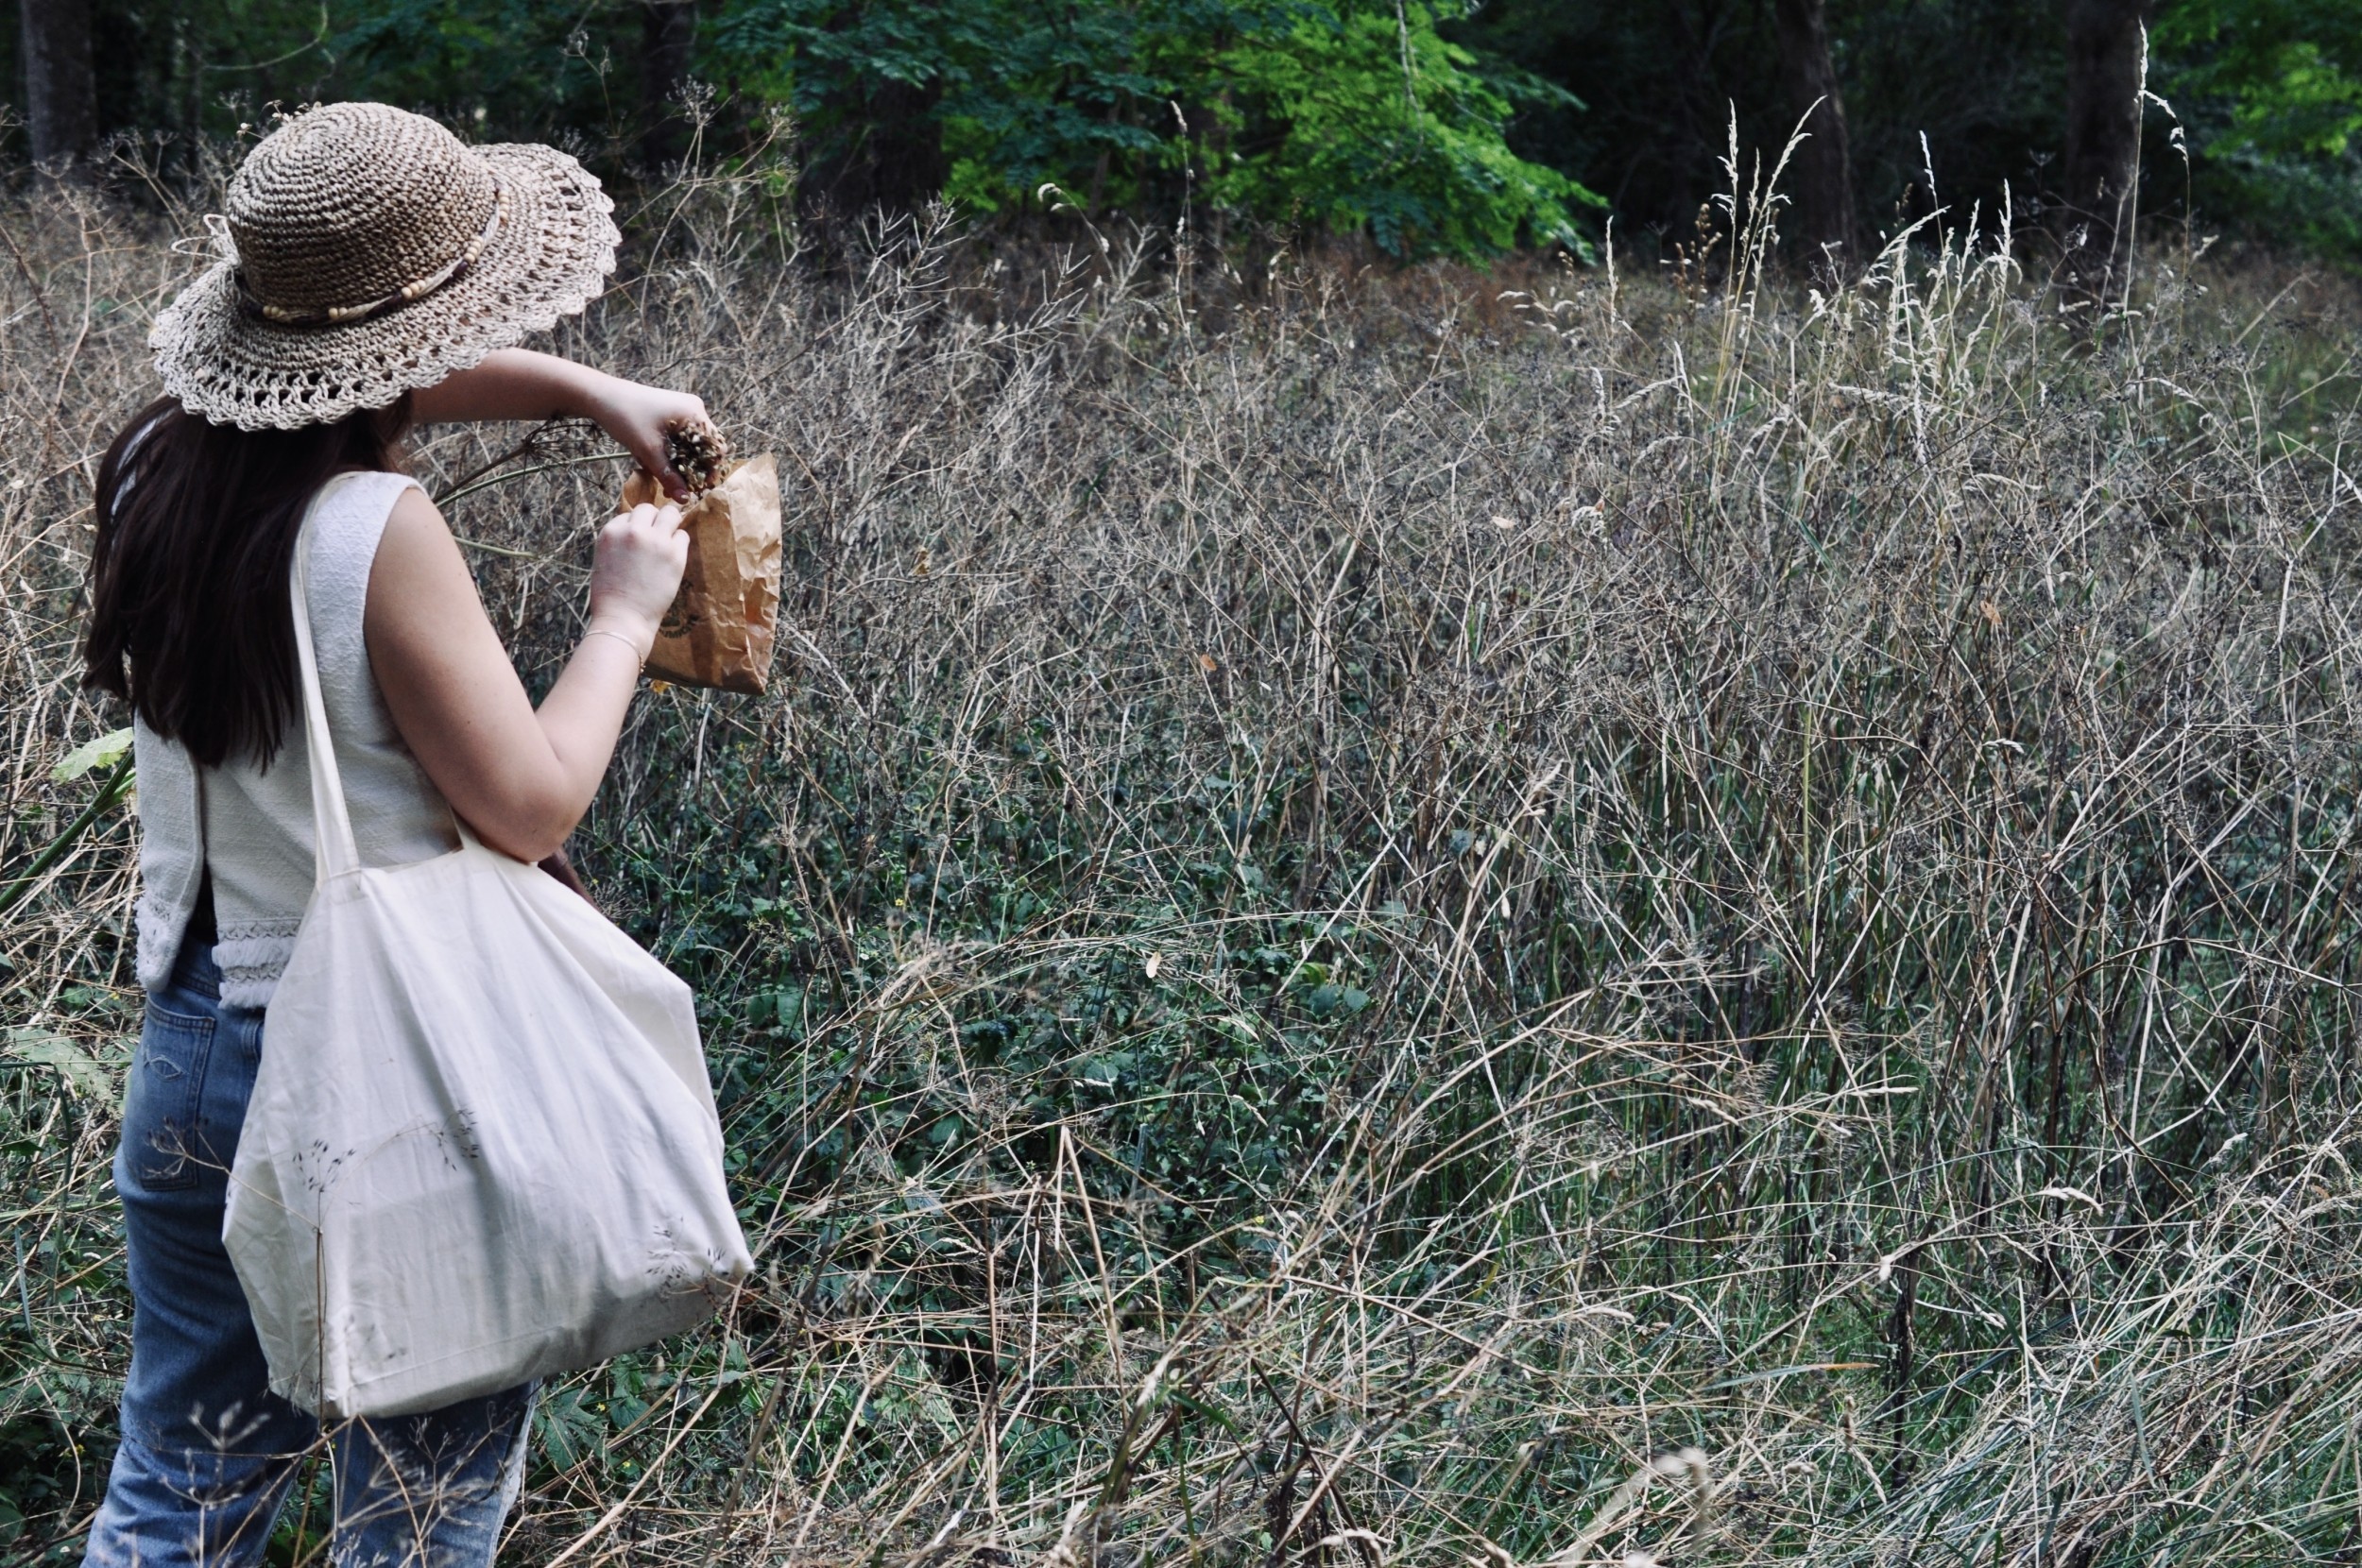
(367, 253)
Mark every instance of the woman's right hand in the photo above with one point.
(521, 778)
(635, 572)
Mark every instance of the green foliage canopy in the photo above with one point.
(1386, 127)
(2271, 92)
(1355, 115)
(1432, 127)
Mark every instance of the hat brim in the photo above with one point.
(549, 258)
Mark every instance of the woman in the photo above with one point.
(382, 273)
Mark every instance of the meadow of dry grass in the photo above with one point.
(1402, 919)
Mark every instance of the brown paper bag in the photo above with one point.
(726, 617)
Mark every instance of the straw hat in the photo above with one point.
(367, 253)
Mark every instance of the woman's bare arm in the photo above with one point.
(517, 383)
(520, 779)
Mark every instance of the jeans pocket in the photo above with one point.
(161, 1105)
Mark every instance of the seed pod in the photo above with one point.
(697, 454)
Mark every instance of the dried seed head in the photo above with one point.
(697, 454)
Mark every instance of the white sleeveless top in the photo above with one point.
(253, 826)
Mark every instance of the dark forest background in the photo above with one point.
(1425, 125)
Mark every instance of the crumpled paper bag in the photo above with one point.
(725, 618)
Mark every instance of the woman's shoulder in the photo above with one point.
(363, 491)
(418, 571)
(352, 511)
(348, 527)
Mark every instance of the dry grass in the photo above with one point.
(1374, 923)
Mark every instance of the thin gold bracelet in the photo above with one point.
(601, 631)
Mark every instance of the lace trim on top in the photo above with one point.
(250, 956)
(159, 923)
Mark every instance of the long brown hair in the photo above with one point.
(189, 619)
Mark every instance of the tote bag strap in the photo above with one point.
(334, 851)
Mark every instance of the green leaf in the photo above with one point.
(571, 1431)
(105, 752)
(1330, 1000)
(42, 1047)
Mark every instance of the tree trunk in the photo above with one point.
(668, 32)
(1824, 171)
(2107, 72)
(875, 141)
(61, 94)
(889, 154)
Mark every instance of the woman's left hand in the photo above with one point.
(639, 418)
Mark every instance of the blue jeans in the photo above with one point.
(208, 1452)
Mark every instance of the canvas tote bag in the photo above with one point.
(482, 1147)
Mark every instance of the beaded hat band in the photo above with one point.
(340, 316)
